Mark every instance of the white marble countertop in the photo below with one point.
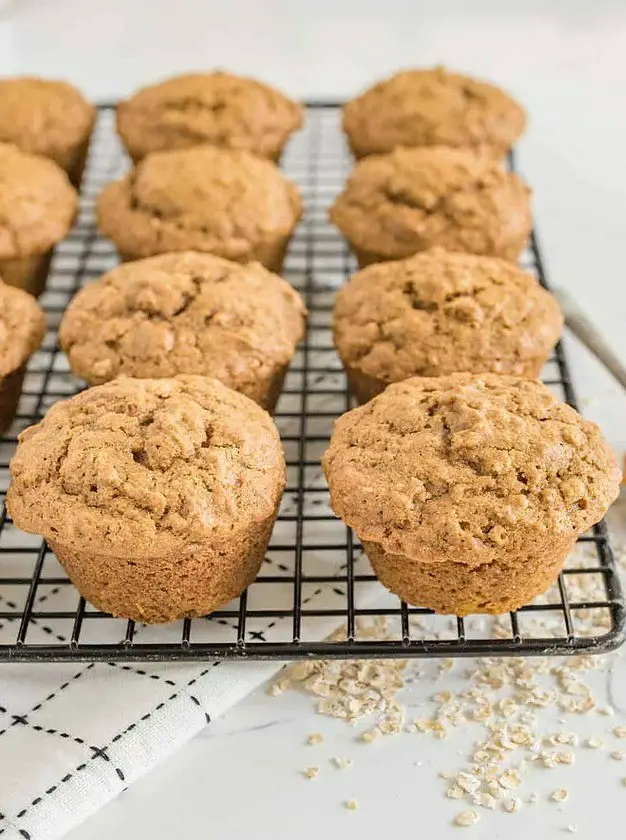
(566, 61)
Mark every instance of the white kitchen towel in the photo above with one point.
(73, 736)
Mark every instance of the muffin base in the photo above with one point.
(156, 590)
(27, 273)
(269, 254)
(365, 387)
(269, 391)
(458, 589)
(10, 391)
(75, 165)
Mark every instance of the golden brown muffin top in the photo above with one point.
(460, 464)
(141, 467)
(183, 313)
(413, 199)
(440, 312)
(433, 108)
(218, 109)
(37, 203)
(44, 117)
(22, 328)
(203, 199)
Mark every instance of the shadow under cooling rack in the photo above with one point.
(315, 594)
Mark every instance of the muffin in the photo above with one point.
(439, 312)
(22, 328)
(186, 313)
(433, 108)
(46, 117)
(37, 206)
(224, 202)
(468, 491)
(413, 199)
(158, 496)
(216, 109)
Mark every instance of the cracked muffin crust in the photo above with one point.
(157, 495)
(22, 329)
(433, 108)
(413, 199)
(227, 203)
(440, 312)
(47, 117)
(186, 313)
(37, 208)
(468, 491)
(217, 109)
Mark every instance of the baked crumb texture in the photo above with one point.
(438, 313)
(409, 200)
(47, 117)
(157, 495)
(468, 491)
(217, 109)
(38, 205)
(224, 202)
(186, 313)
(433, 108)
(22, 329)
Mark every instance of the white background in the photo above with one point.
(566, 61)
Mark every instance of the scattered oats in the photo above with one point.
(564, 757)
(442, 697)
(510, 779)
(455, 792)
(444, 775)
(485, 800)
(533, 798)
(300, 671)
(370, 735)
(315, 738)
(341, 762)
(481, 756)
(274, 690)
(594, 743)
(618, 755)
(495, 790)
(467, 783)
(620, 732)
(571, 828)
(512, 806)
(351, 804)
(466, 818)
(560, 795)
(607, 711)
(311, 772)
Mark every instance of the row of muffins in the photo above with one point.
(489, 467)
(203, 146)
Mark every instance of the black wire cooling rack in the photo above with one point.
(315, 589)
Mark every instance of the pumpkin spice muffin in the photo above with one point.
(412, 199)
(227, 203)
(22, 328)
(438, 313)
(157, 495)
(217, 109)
(49, 118)
(468, 491)
(186, 313)
(433, 108)
(37, 208)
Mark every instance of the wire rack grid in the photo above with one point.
(315, 579)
